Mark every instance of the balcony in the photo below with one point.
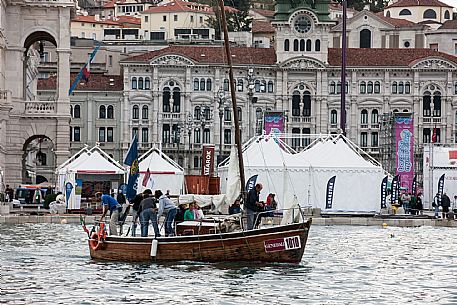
(144, 146)
(375, 126)
(171, 115)
(38, 107)
(299, 119)
(430, 120)
(5, 96)
(364, 126)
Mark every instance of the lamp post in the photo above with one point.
(190, 126)
(251, 86)
(221, 96)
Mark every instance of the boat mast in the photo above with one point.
(343, 71)
(233, 95)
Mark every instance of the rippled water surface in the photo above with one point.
(50, 264)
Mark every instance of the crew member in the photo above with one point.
(111, 204)
(253, 205)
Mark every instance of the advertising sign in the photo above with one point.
(273, 123)
(208, 160)
(404, 139)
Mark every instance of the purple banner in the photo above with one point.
(404, 139)
(273, 123)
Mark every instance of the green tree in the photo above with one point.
(236, 21)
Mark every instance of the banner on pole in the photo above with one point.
(208, 160)
(404, 139)
(329, 193)
(384, 192)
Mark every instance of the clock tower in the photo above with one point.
(302, 29)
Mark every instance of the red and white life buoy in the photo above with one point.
(97, 238)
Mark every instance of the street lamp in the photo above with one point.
(221, 96)
(251, 86)
(177, 138)
(190, 126)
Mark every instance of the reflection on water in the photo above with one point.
(46, 263)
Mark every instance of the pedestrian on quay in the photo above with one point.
(9, 193)
(253, 205)
(445, 204)
(436, 205)
(419, 204)
(168, 208)
(406, 200)
(148, 212)
(135, 202)
(111, 204)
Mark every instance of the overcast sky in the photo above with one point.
(450, 2)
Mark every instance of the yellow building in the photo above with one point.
(90, 27)
(177, 20)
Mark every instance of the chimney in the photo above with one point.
(97, 17)
(366, 7)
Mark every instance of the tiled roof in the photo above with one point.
(109, 4)
(396, 22)
(213, 55)
(338, 7)
(449, 25)
(266, 13)
(259, 26)
(179, 6)
(97, 82)
(407, 3)
(127, 20)
(383, 57)
(91, 19)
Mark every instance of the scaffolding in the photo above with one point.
(387, 142)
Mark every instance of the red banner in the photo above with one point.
(208, 160)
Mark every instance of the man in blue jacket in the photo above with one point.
(111, 204)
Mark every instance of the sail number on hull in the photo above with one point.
(282, 244)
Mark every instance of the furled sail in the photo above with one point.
(233, 178)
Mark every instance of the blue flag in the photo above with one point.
(251, 183)
(68, 190)
(384, 192)
(131, 159)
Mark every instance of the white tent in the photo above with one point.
(305, 175)
(165, 174)
(87, 163)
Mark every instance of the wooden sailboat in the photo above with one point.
(277, 244)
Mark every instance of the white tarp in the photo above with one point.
(305, 175)
(443, 160)
(165, 174)
(86, 162)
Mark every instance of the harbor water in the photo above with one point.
(50, 264)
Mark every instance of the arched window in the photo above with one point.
(332, 87)
(240, 112)
(365, 38)
(196, 84)
(338, 87)
(197, 112)
(407, 88)
(370, 88)
(455, 118)
(147, 83)
(71, 110)
(258, 113)
(227, 136)
(286, 45)
(140, 83)
(296, 45)
(110, 112)
(102, 112)
(363, 88)
(377, 87)
(308, 45)
(317, 45)
(145, 112)
(307, 103)
(226, 84)
(333, 117)
(135, 112)
(405, 12)
(197, 137)
(77, 112)
(134, 83)
(437, 104)
(166, 95)
(176, 100)
(447, 15)
(401, 88)
(374, 116)
(302, 45)
(240, 85)
(388, 14)
(426, 100)
(296, 103)
(364, 117)
(209, 84)
(263, 86)
(227, 114)
(394, 87)
(257, 85)
(295, 137)
(270, 86)
(429, 14)
(202, 84)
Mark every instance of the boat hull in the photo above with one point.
(281, 244)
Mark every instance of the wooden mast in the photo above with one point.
(233, 95)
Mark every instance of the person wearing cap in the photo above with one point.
(111, 204)
(148, 212)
